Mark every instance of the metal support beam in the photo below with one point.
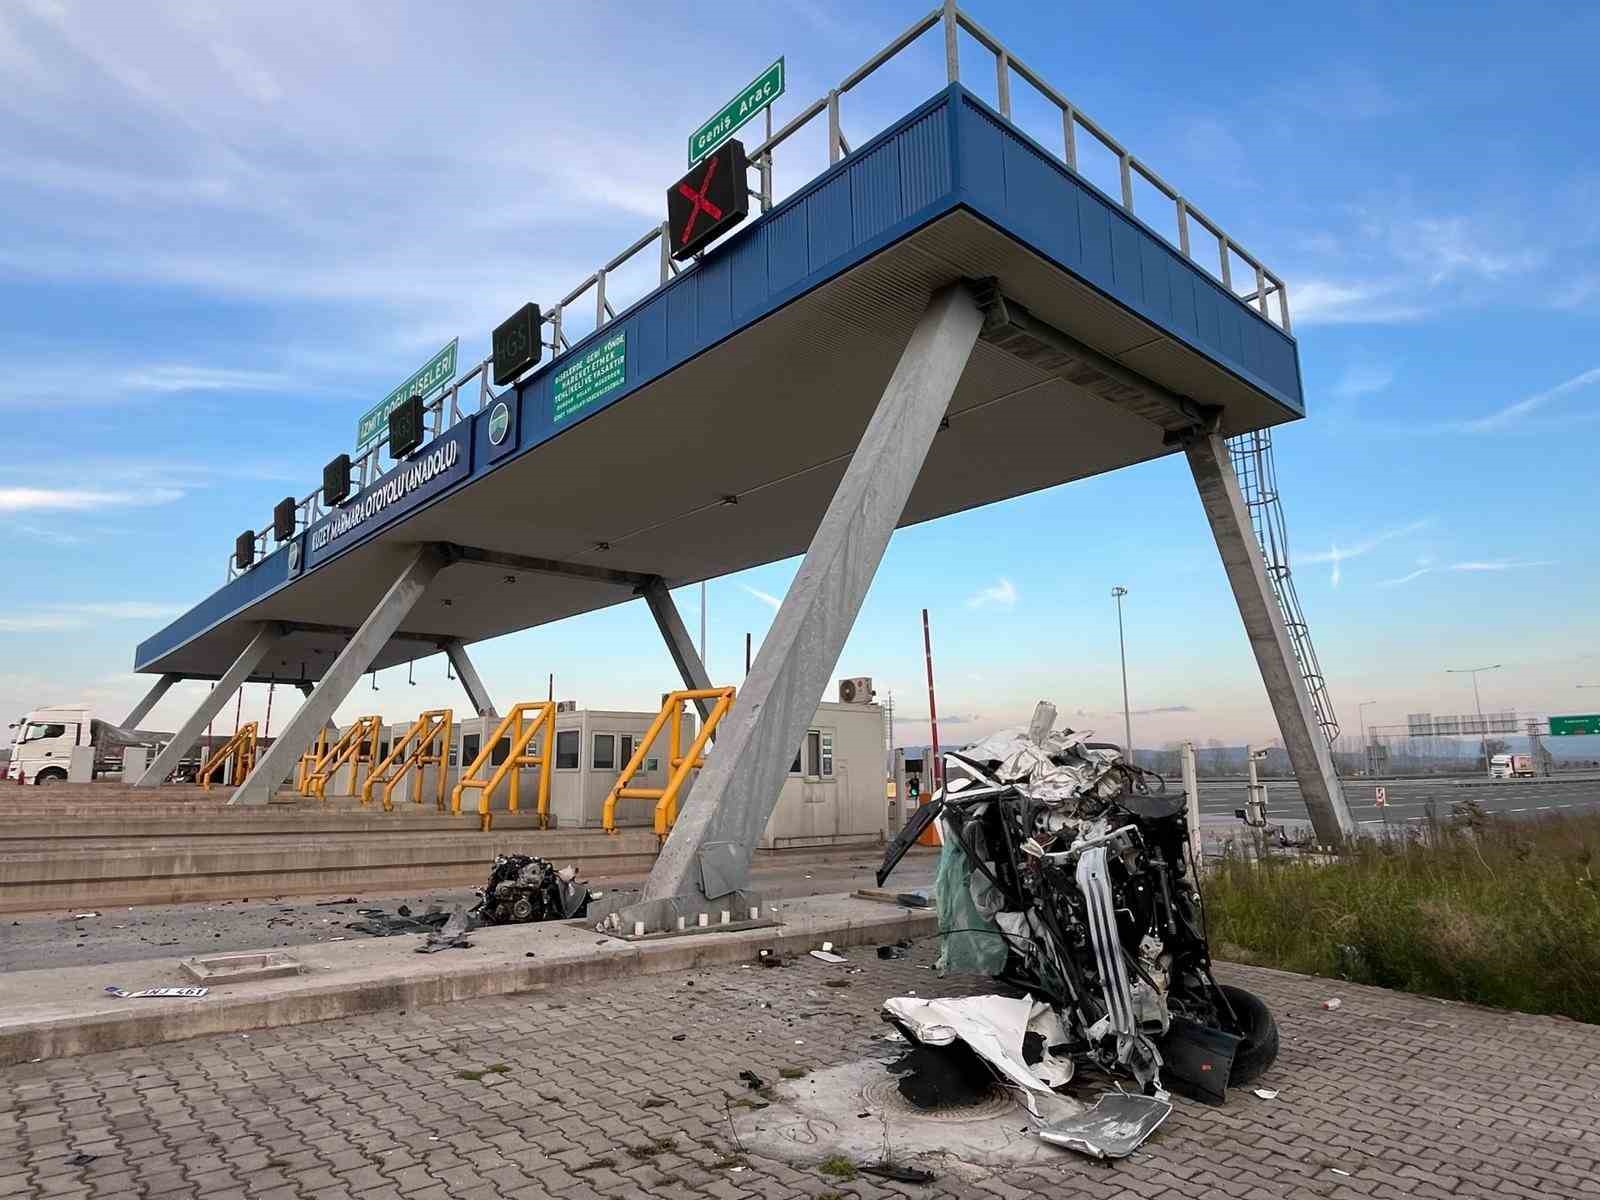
(278, 762)
(267, 636)
(676, 635)
(1269, 637)
(142, 709)
(738, 789)
(544, 566)
(456, 650)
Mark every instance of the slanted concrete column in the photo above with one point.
(305, 690)
(456, 651)
(266, 637)
(152, 698)
(679, 644)
(738, 789)
(278, 762)
(1269, 638)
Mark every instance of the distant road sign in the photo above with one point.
(761, 91)
(1381, 797)
(710, 200)
(434, 374)
(1579, 726)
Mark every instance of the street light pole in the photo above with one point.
(1483, 730)
(1117, 593)
(1361, 717)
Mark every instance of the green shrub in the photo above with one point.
(1486, 910)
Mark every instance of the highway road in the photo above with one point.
(1409, 798)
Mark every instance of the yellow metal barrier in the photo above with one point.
(679, 766)
(240, 750)
(426, 743)
(357, 745)
(309, 760)
(540, 715)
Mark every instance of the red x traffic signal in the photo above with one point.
(710, 200)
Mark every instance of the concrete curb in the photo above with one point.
(59, 1014)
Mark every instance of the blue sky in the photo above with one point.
(225, 234)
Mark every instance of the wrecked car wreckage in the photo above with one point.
(524, 888)
(1067, 875)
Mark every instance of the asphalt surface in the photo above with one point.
(1408, 799)
(39, 941)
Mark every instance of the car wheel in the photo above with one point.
(1259, 1049)
(49, 777)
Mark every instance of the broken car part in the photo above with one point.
(524, 888)
(1066, 874)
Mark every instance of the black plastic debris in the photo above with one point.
(912, 900)
(453, 935)
(378, 923)
(889, 952)
(898, 1174)
(337, 903)
(81, 1159)
(752, 1081)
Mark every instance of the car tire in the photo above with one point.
(1259, 1049)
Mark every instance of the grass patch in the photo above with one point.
(838, 1166)
(1475, 908)
(473, 1076)
(656, 1146)
(791, 1073)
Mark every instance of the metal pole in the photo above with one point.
(1477, 704)
(1117, 594)
(1361, 717)
(702, 622)
(266, 730)
(936, 772)
(747, 653)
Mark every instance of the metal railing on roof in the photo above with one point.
(444, 411)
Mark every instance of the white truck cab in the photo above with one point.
(45, 742)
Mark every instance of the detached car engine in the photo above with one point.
(524, 888)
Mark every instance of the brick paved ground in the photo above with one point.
(1409, 1096)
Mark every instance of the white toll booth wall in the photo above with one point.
(836, 792)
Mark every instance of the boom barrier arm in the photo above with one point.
(426, 742)
(679, 766)
(539, 715)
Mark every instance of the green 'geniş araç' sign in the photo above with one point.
(760, 92)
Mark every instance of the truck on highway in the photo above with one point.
(67, 741)
(1511, 766)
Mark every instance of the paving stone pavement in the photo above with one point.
(588, 1091)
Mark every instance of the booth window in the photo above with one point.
(502, 751)
(569, 743)
(624, 749)
(605, 752)
(469, 747)
(825, 758)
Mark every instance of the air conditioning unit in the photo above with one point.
(856, 691)
(566, 706)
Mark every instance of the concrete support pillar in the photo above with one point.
(738, 789)
(305, 690)
(266, 637)
(279, 761)
(142, 709)
(679, 645)
(456, 651)
(1269, 638)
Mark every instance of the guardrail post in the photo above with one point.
(1002, 82)
(1261, 290)
(1069, 134)
(1125, 163)
(1183, 226)
(599, 297)
(1283, 305)
(835, 138)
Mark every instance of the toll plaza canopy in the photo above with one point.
(704, 429)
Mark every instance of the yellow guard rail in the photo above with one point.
(426, 743)
(240, 750)
(523, 723)
(309, 760)
(357, 745)
(678, 766)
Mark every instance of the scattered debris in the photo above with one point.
(84, 916)
(159, 993)
(836, 983)
(827, 955)
(753, 1081)
(1330, 1005)
(337, 903)
(792, 1073)
(1067, 870)
(888, 952)
(80, 1159)
(912, 900)
(1266, 1093)
(452, 935)
(898, 1174)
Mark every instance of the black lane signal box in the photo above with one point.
(336, 480)
(244, 549)
(405, 427)
(283, 519)
(516, 344)
(710, 200)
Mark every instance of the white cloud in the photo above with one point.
(1363, 379)
(1002, 592)
(35, 499)
(58, 617)
(1516, 410)
(1471, 565)
(766, 598)
(1337, 554)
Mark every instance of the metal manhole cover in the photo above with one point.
(884, 1094)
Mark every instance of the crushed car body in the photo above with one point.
(522, 888)
(1067, 876)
